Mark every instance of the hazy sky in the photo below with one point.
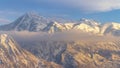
(100, 10)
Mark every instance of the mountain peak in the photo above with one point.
(6, 41)
(3, 38)
(89, 22)
(84, 19)
(30, 21)
(53, 23)
(31, 14)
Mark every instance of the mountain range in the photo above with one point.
(33, 22)
(59, 48)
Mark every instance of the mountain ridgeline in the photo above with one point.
(33, 41)
(34, 23)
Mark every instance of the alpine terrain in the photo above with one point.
(34, 23)
(34, 41)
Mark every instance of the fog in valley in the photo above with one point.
(59, 36)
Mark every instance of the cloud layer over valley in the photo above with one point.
(58, 36)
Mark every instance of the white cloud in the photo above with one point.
(4, 21)
(87, 5)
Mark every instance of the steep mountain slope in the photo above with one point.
(87, 26)
(30, 22)
(53, 27)
(13, 56)
(112, 28)
(34, 23)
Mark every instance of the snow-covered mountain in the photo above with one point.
(53, 27)
(87, 25)
(34, 23)
(30, 21)
(112, 28)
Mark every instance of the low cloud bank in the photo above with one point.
(58, 36)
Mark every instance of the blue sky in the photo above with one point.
(99, 10)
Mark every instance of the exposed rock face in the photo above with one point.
(13, 56)
(59, 54)
(78, 54)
